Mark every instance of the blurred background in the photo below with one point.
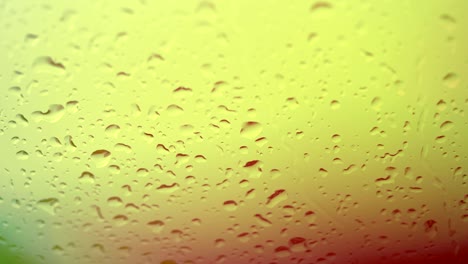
(233, 132)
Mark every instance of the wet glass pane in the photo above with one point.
(260, 132)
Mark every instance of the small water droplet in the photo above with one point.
(251, 130)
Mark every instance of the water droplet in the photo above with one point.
(156, 226)
(182, 92)
(48, 65)
(446, 126)
(262, 220)
(114, 201)
(113, 130)
(251, 130)
(168, 262)
(174, 110)
(282, 252)
(250, 163)
(376, 103)
(101, 157)
(54, 114)
(168, 188)
(277, 197)
(320, 5)
(451, 80)
(297, 244)
(22, 155)
(72, 106)
(230, 206)
(335, 104)
(120, 220)
(430, 227)
(87, 176)
(48, 205)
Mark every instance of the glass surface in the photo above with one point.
(233, 132)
